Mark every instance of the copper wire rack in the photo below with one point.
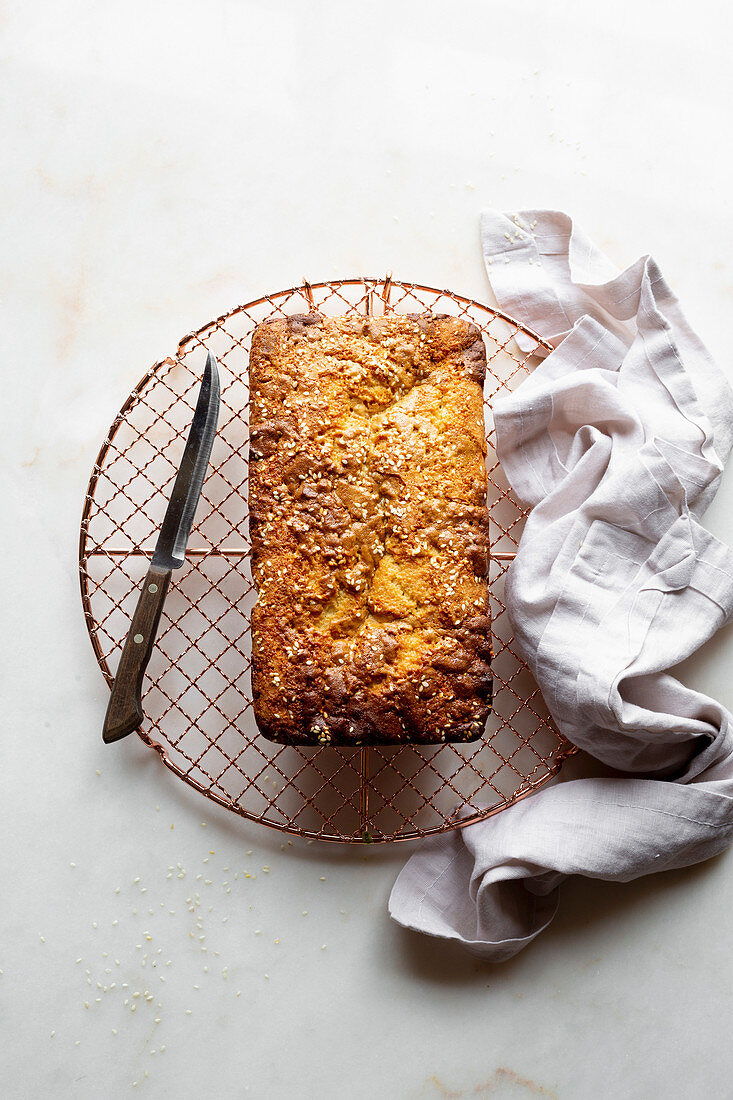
(198, 701)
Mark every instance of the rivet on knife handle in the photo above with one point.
(125, 712)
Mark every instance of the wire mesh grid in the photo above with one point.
(198, 701)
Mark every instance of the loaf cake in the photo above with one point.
(368, 525)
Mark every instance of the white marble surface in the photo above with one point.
(163, 162)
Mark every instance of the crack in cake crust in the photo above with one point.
(369, 530)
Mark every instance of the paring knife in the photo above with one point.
(124, 713)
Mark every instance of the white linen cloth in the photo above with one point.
(617, 441)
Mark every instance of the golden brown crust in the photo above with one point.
(369, 530)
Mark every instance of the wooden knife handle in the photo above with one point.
(125, 712)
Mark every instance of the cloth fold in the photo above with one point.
(617, 441)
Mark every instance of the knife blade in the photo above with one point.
(124, 712)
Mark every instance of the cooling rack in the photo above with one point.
(197, 701)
